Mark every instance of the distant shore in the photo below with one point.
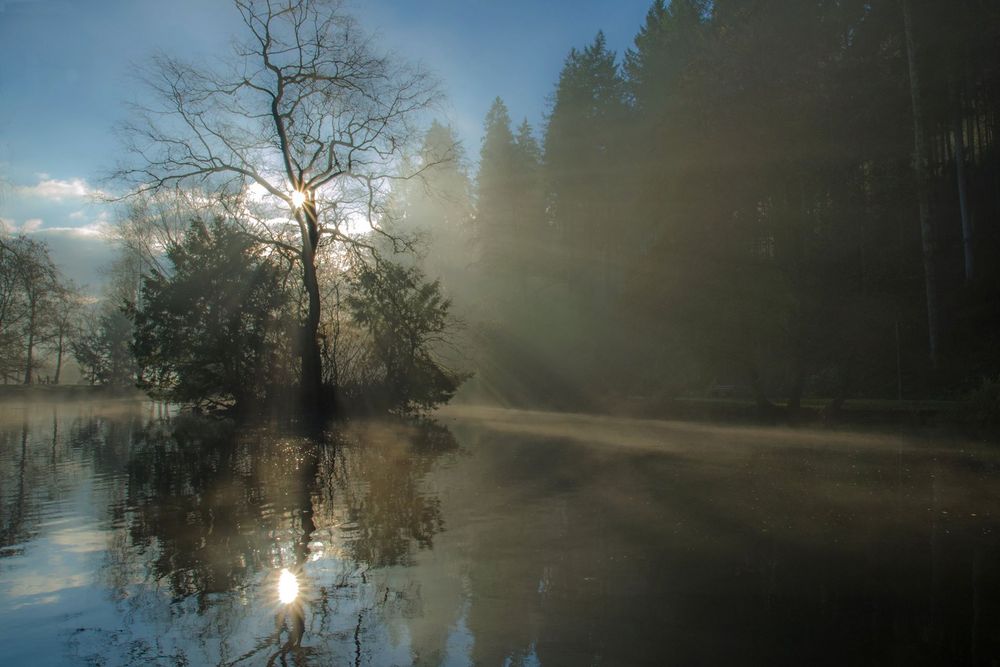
(67, 391)
(854, 412)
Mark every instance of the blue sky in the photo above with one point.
(65, 76)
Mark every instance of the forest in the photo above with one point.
(776, 201)
(794, 198)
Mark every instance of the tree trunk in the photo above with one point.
(963, 200)
(59, 355)
(31, 346)
(921, 177)
(312, 360)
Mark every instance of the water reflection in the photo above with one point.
(192, 517)
(210, 508)
(291, 618)
(288, 587)
(136, 536)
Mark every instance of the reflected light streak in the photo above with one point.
(288, 587)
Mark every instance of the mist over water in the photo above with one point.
(134, 535)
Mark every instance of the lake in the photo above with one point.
(131, 534)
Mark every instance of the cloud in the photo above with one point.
(99, 227)
(81, 253)
(29, 226)
(88, 231)
(55, 189)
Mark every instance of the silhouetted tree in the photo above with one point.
(582, 161)
(497, 225)
(311, 117)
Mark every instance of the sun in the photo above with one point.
(298, 198)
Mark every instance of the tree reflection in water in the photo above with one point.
(570, 540)
(215, 514)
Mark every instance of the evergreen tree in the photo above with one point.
(406, 318)
(214, 331)
(535, 243)
(582, 163)
(497, 224)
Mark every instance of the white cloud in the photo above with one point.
(90, 230)
(55, 189)
(29, 226)
(99, 227)
(77, 215)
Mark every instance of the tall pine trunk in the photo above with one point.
(963, 199)
(920, 173)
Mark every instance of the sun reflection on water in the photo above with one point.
(288, 587)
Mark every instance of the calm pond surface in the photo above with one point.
(132, 535)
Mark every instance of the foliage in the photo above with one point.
(215, 330)
(406, 318)
(102, 347)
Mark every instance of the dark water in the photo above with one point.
(133, 536)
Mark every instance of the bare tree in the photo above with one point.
(13, 309)
(66, 306)
(30, 285)
(40, 284)
(305, 127)
(151, 224)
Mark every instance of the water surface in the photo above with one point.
(132, 535)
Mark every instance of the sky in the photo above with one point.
(66, 76)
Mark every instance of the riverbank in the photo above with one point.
(67, 392)
(857, 412)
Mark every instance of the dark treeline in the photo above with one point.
(785, 199)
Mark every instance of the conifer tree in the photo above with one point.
(497, 224)
(582, 164)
